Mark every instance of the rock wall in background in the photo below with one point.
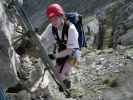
(35, 8)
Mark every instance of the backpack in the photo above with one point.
(76, 19)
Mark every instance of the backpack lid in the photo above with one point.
(73, 17)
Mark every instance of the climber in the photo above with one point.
(67, 53)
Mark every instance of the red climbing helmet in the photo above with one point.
(54, 9)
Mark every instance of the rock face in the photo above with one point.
(122, 22)
(7, 54)
(118, 24)
(102, 75)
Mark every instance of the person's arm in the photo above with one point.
(47, 38)
(64, 53)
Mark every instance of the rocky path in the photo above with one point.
(99, 77)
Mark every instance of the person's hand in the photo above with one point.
(52, 56)
(77, 62)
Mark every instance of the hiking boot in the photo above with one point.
(15, 89)
(67, 83)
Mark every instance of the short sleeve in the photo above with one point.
(72, 41)
(47, 38)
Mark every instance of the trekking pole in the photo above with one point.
(42, 52)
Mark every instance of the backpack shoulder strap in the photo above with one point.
(65, 30)
(55, 34)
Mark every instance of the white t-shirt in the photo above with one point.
(48, 39)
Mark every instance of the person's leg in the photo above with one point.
(63, 75)
(59, 75)
(66, 70)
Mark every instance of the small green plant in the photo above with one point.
(111, 81)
